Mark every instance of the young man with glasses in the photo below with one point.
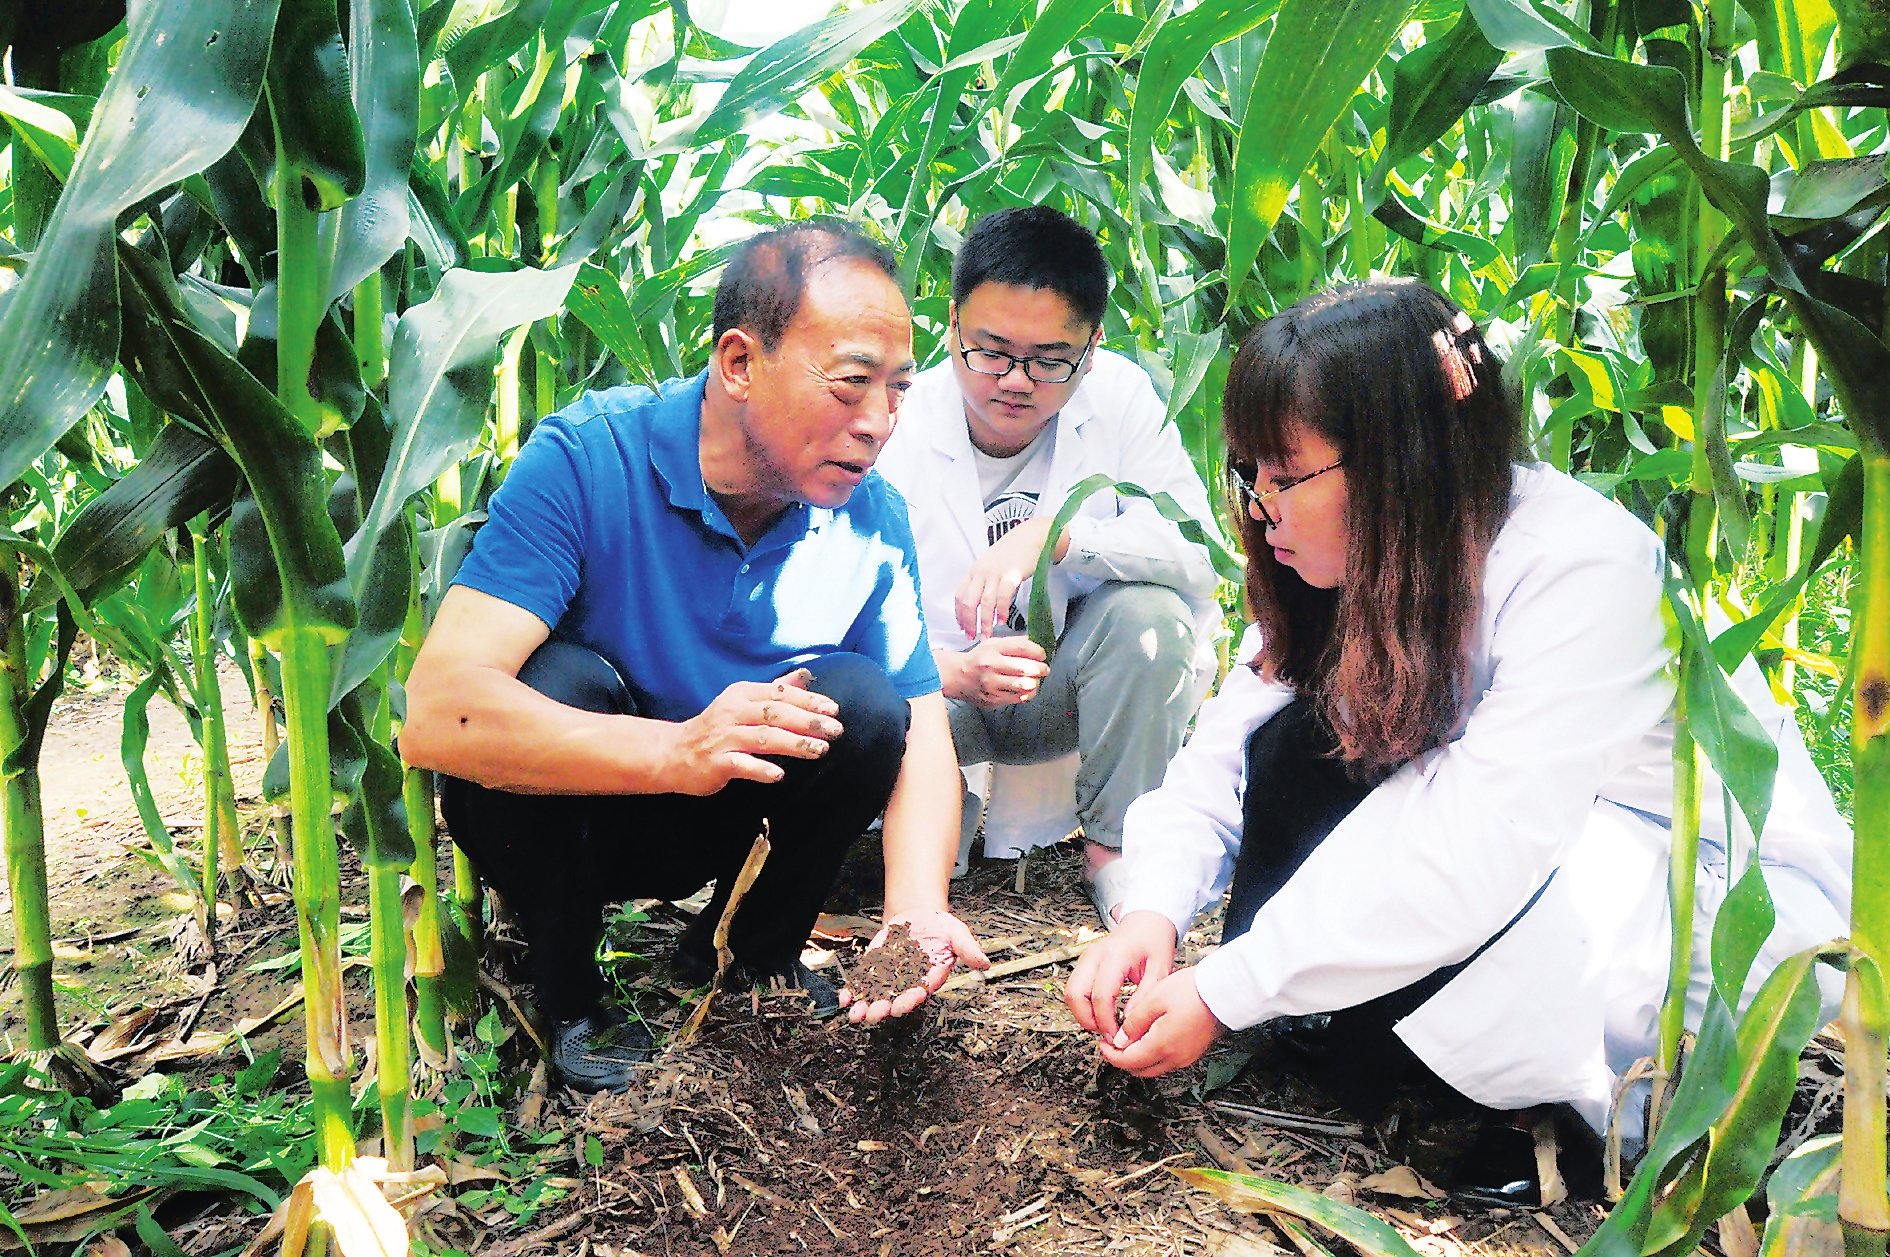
(1026, 405)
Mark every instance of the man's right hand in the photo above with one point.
(996, 672)
(747, 720)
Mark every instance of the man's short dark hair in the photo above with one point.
(762, 287)
(1035, 246)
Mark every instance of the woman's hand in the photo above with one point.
(1167, 1027)
(1140, 950)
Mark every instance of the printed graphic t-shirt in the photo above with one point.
(1010, 488)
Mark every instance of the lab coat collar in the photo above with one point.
(952, 440)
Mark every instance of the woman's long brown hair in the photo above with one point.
(1400, 381)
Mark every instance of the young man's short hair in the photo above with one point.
(1037, 247)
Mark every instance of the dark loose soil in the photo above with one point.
(888, 970)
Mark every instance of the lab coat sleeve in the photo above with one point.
(1442, 855)
(1179, 840)
(1137, 544)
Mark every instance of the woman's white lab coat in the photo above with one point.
(1563, 765)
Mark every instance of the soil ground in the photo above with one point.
(985, 1123)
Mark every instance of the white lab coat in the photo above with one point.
(1563, 765)
(1114, 424)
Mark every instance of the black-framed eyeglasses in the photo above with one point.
(1042, 370)
(1249, 494)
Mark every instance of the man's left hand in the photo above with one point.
(944, 938)
(1167, 1027)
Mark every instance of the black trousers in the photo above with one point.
(1297, 792)
(559, 859)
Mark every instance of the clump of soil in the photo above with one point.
(886, 971)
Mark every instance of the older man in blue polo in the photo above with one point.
(694, 609)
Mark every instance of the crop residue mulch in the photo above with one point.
(984, 1124)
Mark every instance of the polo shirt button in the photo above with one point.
(744, 567)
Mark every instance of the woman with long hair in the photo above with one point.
(1439, 775)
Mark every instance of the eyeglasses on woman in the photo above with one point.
(1251, 495)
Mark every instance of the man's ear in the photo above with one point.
(732, 363)
(951, 315)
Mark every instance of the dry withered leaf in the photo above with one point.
(1401, 1180)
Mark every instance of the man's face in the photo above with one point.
(1007, 412)
(820, 407)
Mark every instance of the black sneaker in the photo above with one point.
(595, 1053)
(823, 996)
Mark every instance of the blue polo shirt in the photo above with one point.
(604, 530)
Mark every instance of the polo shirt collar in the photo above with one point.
(676, 444)
(676, 456)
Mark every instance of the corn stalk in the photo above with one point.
(25, 826)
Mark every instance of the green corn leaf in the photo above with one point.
(59, 329)
(47, 123)
(1740, 927)
(318, 132)
(1857, 364)
(1737, 1083)
(1252, 1194)
(382, 601)
(1628, 185)
(1431, 87)
(1194, 353)
(1780, 1021)
(1061, 23)
(481, 34)
(280, 462)
(439, 380)
(1792, 35)
(945, 91)
(385, 68)
(1542, 157)
(1174, 53)
(1319, 52)
(596, 301)
(1741, 751)
(431, 220)
(1863, 32)
(1832, 189)
(1524, 27)
(781, 72)
(133, 738)
(1622, 96)
(181, 474)
(375, 820)
(1802, 1195)
(798, 181)
(1394, 211)
(1043, 623)
(1843, 518)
